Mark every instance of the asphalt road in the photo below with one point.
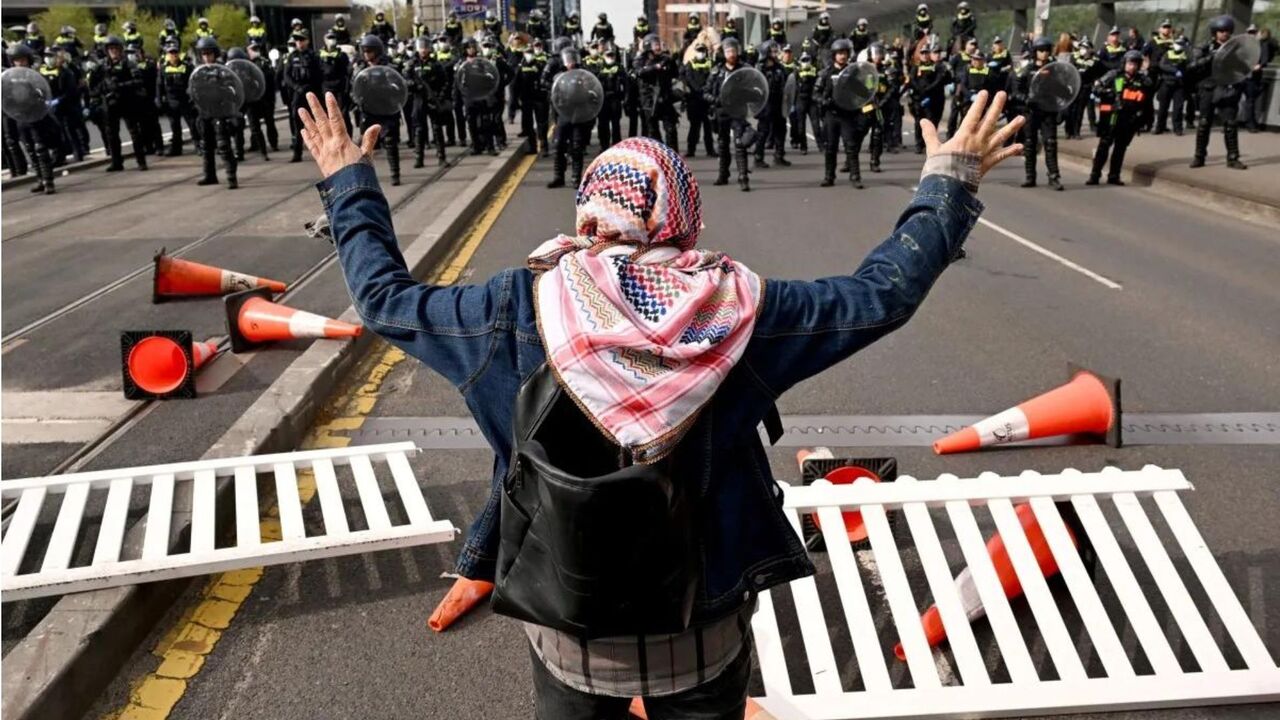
(1180, 303)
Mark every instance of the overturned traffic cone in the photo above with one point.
(934, 632)
(754, 711)
(157, 364)
(464, 595)
(175, 277)
(1088, 404)
(252, 319)
(202, 352)
(820, 462)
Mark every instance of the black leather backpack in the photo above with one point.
(591, 543)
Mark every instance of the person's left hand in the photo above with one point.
(325, 134)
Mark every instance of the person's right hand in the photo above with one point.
(977, 134)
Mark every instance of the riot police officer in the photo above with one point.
(923, 21)
(455, 126)
(118, 87)
(777, 32)
(532, 95)
(265, 107)
(1215, 101)
(570, 138)
(842, 125)
(655, 71)
(537, 26)
(692, 29)
(729, 129)
(573, 27)
(37, 138)
(335, 74)
(965, 25)
(1172, 92)
(1130, 92)
(256, 31)
(806, 111)
(68, 42)
(602, 30)
(477, 111)
(171, 92)
(100, 41)
(1090, 69)
(772, 126)
(300, 75)
(861, 36)
(215, 133)
(452, 31)
(34, 39)
(694, 74)
(614, 81)
(491, 49)
(375, 53)
(67, 109)
(928, 91)
(204, 30)
(148, 112)
(341, 33)
(1112, 53)
(640, 30)
(823, 32)
(420, 30)
(1042, 126)
(251, 116)
(730, 30)
(381, 29)
(431, 94)
(973, 79)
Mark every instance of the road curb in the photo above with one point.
(70, 657)
(1205, 195)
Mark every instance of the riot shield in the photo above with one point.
(854, 86)
(1054, 87)
(1234, 61)
(577, 96)
(744, 93)
(477, 79)
(26, 94)
(216, 91)
(379, 90)
(251, 78)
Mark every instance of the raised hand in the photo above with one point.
(325, 135)
(977, 134)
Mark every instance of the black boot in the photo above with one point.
(575, 177)
(829, 168)
(557, 171)
(1056, 183)
(780, 159)
(1232, 136)
(393, 161)
(44, 167)
(210, 169)
(855, 170)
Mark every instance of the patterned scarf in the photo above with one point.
(640, 327)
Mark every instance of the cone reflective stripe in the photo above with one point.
(201, 352)
(175, 277)
(1089, 403)
(253, 319)
(464, 595)
(934, 632)
(754, 711)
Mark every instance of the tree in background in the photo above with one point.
(149, 25)
(78, 17)
(229, 23)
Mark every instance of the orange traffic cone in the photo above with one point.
(157, 364)
(174, 277)
(202, 352)
(252, 319)
(934, 632)
(754, 711)
(1089, 403)
(464, 595)
(843, 475)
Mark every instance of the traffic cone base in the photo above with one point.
(175, 277)
(253, 319)
(821, 463)
(1088, 403)
(157, 364)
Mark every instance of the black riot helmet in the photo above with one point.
(373, 43)
(1133, 56)
(842, 45)
(236, 53)
(114, 41)
(204, 44)
(570, 57)
(653, 42)
(470, 47)
(776, 24)
(1222, 23)
(22, 51)
(1042, 43)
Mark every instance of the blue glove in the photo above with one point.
(924, 103)
(1178, 75)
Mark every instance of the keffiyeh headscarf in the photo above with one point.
(640, 327)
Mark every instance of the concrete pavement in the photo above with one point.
(1178, 301)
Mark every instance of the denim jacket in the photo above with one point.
(483, 338)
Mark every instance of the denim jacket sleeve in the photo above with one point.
(450, 329)
(806, 327)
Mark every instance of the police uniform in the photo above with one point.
(37, 138)
(695, 74)
(176, 103)
(1214, 101)
(602, 30)
(729, 129)
(1131, 99)
(806, 111)
(216, 134)
(335, 76)
(64, 80)
(889, 95)
(1041, 128)
(455, 126)
(609, 123)
(928, 96)
(382, 29)
(1090, 69)
(265, 107)
(532, 96)
(655, 72)
(300, 74)
(772, 125)
(571, 138)
(848, 126)
(118, 88)
(148, 112)
(432, 98)
(640, 31)
(390, 124)
(1172, 92)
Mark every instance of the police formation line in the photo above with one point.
(740, 103)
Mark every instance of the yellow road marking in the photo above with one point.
(183, 648)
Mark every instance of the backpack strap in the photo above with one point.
(773, 425)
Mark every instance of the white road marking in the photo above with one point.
(1108, 282)
(59, 416)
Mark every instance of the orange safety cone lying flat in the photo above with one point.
(252, 319)
(202, 352)
(935, 633)
(754, 711)
(175, 277)
(1089, 403)
(464, 595)
(844, 475)
(156, 367)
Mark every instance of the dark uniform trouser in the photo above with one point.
(112, 116)
(932, 111)
(609, 124)
(36, 139)
(424, 118)
(699, 128)
(1074, 121)
(265, 108)
(256, 119)
(1225, 110)
(477, 123)
(71, 117)
(461, 118)
(1113, 139)
(571, 145)
(1170, 96)
(1255, 97)
(177, 113)
(218, 132)
(1041, 128)
(773, 130)
(851, 129)
(390, 140)
(730, 129)
(663, 117)
(14, 155)
(297, 101)
(533, 121)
